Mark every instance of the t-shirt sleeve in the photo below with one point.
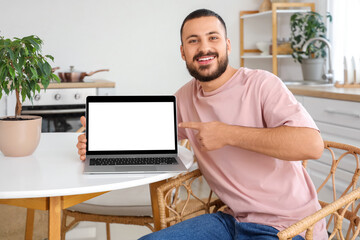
(280, 107)
(181, 131)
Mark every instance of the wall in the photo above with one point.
(137, 40)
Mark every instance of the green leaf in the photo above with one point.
(32, 86)
(7, 91)
(45, 83)
(3, 71)
(55, 77)
(49, 56)
(34, 73)
(26, 52)
(35, 44)
(23, 94)
(37, 87)
(47, 68)
(10, 53)
(11, 71)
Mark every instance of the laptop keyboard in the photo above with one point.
(133, 161)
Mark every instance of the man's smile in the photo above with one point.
(205, 59)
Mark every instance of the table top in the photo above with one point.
(54, 169)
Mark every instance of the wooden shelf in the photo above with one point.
(258, 56)
(268, 13)
(276, 8)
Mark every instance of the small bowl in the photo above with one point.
(263, 47)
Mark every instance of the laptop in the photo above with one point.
(131, 134)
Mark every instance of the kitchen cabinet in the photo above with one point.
(273, 16)
(105, 91)
(338, 121)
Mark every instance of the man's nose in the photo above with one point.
(204, 46)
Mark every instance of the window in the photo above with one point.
(345, 37)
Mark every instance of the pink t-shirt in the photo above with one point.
(256, 188)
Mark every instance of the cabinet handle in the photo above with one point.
(351, 114)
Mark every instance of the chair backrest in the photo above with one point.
(342, 178)
(185, 196)
(345, 167)
(335, 176)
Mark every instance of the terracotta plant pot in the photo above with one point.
(20, 138)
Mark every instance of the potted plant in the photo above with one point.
(22, 69)
(305, 26)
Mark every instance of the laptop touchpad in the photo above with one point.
(135, 168)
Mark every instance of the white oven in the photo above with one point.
(60, 109)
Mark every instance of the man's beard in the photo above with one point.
(223, 63)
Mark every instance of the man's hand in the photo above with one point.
(81, 145)
(211, 135)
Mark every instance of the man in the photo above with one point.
(248, 133)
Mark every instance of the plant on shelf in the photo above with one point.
(23, 68)
(305, 26)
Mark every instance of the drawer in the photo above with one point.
(299, 98)
(342, 135)
(342, 113)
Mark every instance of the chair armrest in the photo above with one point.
(173, 210)
(339, 208)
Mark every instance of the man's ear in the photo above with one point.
(228, 46)
(182, 52)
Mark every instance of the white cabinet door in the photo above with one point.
(106, 91)
(300, 99)
(338, 121)
(331, 132)
(337, 112)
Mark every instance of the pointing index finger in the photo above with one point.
(192, 125)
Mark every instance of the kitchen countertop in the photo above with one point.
(331, 92)
(96, 83)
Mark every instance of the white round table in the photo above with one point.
(52, 179)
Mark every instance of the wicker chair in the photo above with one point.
(112, 207)
(340, 211)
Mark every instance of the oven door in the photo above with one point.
(57, 118)
(60, 109)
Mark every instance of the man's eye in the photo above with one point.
(192, 41)
(213, 38)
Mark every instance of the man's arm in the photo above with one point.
(287, 143)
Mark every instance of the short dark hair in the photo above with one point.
(202, 13)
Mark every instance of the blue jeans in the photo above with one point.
(215, 226)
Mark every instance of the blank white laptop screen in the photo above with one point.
(127, 126)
